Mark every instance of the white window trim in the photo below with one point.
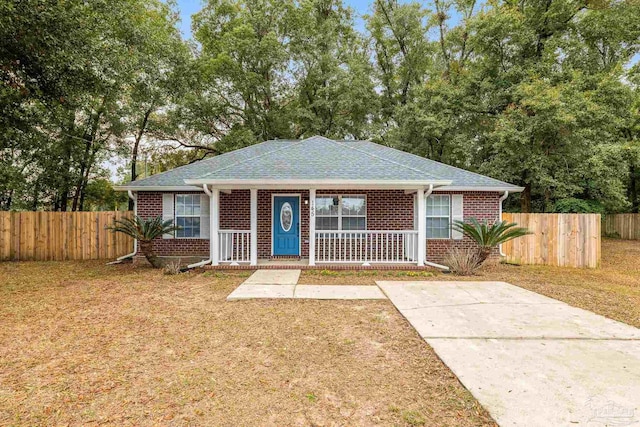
(339, 216)
(175, 216)
(438, 216)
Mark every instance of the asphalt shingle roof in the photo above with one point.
(319, 158)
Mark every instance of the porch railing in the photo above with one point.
(234, 246)
(395, 246)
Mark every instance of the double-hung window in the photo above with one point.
(439, 216)
(188, 215)
(343, 212)
(354, 213)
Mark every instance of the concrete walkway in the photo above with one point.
(528, 359)
(283, 284)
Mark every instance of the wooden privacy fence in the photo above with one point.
(625, 226)
(45, 236)
(565, 240)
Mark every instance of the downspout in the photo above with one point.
(502, 199)
(429, 191)
(135, 241)
(210, 260)
(429, 263)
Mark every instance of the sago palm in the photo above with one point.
(144, 230)
(489, 236)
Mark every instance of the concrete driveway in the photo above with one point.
(528, 359)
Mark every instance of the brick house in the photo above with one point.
(319, 201)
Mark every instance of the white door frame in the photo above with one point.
(299, 196)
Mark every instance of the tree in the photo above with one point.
(334, 91)
(162, 72)
(488, 237)
(555, 130)
(402, 52)
(144, 231)
(66, 69)
(244, 65)
(543, 94)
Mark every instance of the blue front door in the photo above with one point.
(286, 225)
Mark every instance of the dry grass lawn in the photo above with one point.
(88, 344)
(612, 290)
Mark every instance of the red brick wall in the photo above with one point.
(236, 210)
(479, 205)
(386, 210)
(150, 205)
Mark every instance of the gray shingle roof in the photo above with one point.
(460, 177)
(319, 158)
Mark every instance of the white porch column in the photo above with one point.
(214, 228)
(422, 227)
(254, 226)
(312, 226)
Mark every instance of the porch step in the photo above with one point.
(273, 277)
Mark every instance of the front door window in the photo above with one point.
(286, 216)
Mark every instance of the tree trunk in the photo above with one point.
(76, 195)
(525, 199)
(63, 191)
(85, 179)
(146, 246)
(484, 252)
(547, 200)
(136, 147)
(633, 188)
(66, 170)
(89, 154)
(6, 205)
(36, 193)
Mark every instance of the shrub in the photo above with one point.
(489, 236)
(173, 267)
(463, 262)
(144, 230)
(573, 205)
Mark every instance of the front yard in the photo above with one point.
(87, 344)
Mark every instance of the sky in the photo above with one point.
(189, 7)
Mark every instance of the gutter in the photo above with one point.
(269, 183)
(496, 189)
(210, 260)
(502, 199)
(135, 241)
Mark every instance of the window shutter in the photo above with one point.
(167, 212)
(204, 217)
(457, 214)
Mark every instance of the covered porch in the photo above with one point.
(332, 226)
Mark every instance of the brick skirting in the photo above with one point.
(396, 267)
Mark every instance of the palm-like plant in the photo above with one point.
(489, 236)
(144, 230)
